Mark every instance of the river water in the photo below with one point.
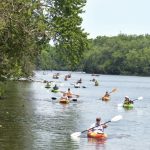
(31, 120)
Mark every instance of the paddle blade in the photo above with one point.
(54, 98)
(116, 118)
(120, 105)
(140, 98)
(74, 99)
(83, 86)
(114, 90)
(75, 134)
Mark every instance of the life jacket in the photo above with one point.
(98, 128)
(69, 94)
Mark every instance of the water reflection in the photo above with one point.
(99, 144)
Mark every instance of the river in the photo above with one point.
(31, 120)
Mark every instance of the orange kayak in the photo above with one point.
(105, 98)
(64, 101)
(92, 134)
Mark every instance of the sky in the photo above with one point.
(112, 17)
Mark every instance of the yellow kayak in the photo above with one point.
(96, 135)
(64, 101)
(105, 98)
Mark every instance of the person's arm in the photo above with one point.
(92, 126)
(104, 126)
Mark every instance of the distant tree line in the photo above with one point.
(122, 54)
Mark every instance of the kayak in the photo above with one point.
(92, 134)
(105, 98)
(77, 86)
(128, 105)
(64, 101)
(47, 86)
(55, 77)
(54, 91)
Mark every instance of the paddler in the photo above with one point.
(55, 87)
(127, 100)
(98, 127)
(106, 94)
(70, 94)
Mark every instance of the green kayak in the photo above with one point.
(54, 91)
(128, 105)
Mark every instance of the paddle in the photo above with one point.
(72, 94)
(139, 98)
(78, 87)
(116, 118)
(73, 99)
(113, 90)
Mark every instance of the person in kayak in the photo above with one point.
(47, 84)
(98, 127)
(77, 85)
(79, 81)
(93, 80)
(55, 87)
(127, 100)
(70, 94)
(96, 83)
(64, 96)
(106, 94)
(66, 78)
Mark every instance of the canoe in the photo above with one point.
(92, 134)
(128, 105)
(54, 91)
(64, 101)
(105, 98)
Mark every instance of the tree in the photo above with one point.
(20, 34)
(69, 38)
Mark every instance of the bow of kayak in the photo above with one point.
(128, 105)
(64, 101)
(92, 134)
(105, 98)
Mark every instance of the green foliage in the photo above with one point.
(18, 41)
(120, 54)
(27, 26)
(69, 38)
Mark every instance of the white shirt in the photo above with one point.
(97, 129)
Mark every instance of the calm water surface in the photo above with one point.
(31, 120)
